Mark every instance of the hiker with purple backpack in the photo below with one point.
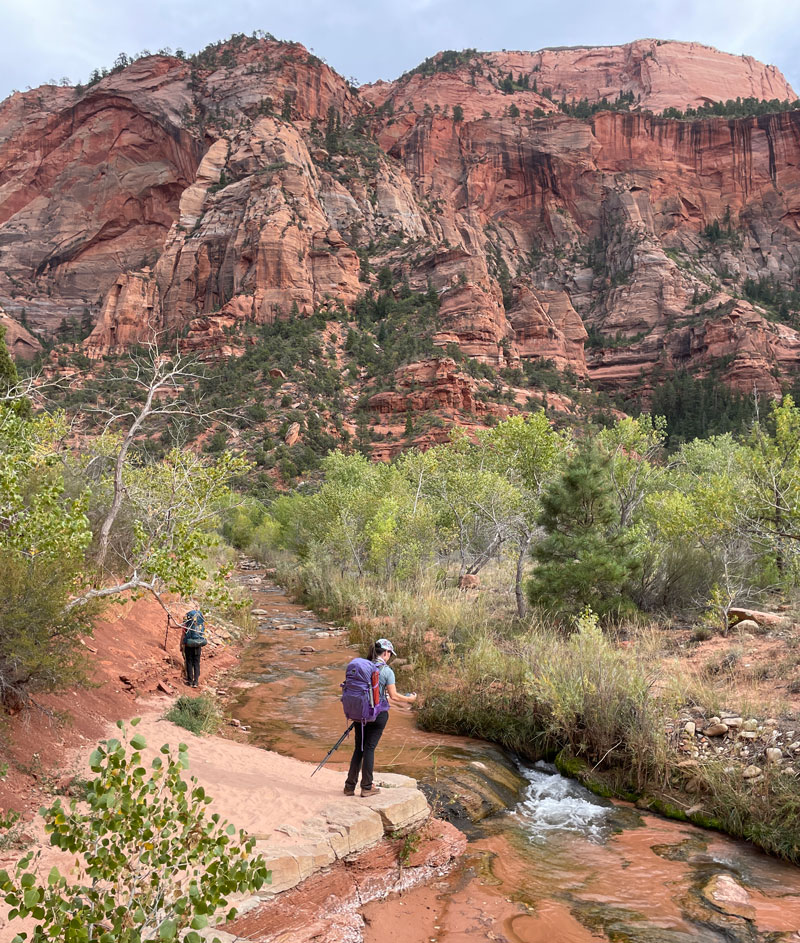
(368, 688)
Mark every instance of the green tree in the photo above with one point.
(44, 533)
(527, 451)
(585, 560)
(772, 514)
(9, 377)
(696, 548)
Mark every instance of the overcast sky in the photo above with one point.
(371, 39)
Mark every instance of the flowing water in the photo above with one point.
(548, 862)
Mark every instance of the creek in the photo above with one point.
(547, 861)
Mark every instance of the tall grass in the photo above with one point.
(540, 693)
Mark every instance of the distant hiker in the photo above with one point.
(368, 688)
(193, 638)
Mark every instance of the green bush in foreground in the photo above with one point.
(196, 714)
(150, 862)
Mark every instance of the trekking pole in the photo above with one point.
(335, 747)
(166, 630)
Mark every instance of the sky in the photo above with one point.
(365, 40)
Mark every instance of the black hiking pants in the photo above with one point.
(364, 757)
(191, 655)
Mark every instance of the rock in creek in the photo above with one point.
(729, 897)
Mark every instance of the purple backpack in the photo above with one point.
(360, 692)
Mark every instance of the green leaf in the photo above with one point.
(54, 876)
(27, 880)
(199, 922)
(120, 724)
(138, 742)
(94, 760)
(231, 830)
(168, 929)
(32, 896)
(135, 721)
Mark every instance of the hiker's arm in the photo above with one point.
(391, 690)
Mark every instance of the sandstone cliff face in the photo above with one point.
(19, 340)
(659, 73)
(91, 180)
(256, 184)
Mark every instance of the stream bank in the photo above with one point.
(561, 864)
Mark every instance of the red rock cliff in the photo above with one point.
(255, 183)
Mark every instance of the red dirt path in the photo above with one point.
(126, 660)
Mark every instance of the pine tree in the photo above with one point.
(585, 560)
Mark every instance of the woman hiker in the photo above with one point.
(364, 752)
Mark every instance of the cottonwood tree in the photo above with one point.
(772, 511)
(527, 451)
(44, 533)
(697, 519)
(472, 504)
(633, 445)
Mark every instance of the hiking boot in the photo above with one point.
(372, 791)
(349, 790)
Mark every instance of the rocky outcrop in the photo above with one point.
(325, 908)
(434, 386)
(546, 326)
(19, 340)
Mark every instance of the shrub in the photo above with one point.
(149, 862)
(539, 694)
(197, 714)
(38, 637)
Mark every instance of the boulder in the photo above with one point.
(292, 434)
(716, 730)
(770, 620)
(774, 756)
(731, 898)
